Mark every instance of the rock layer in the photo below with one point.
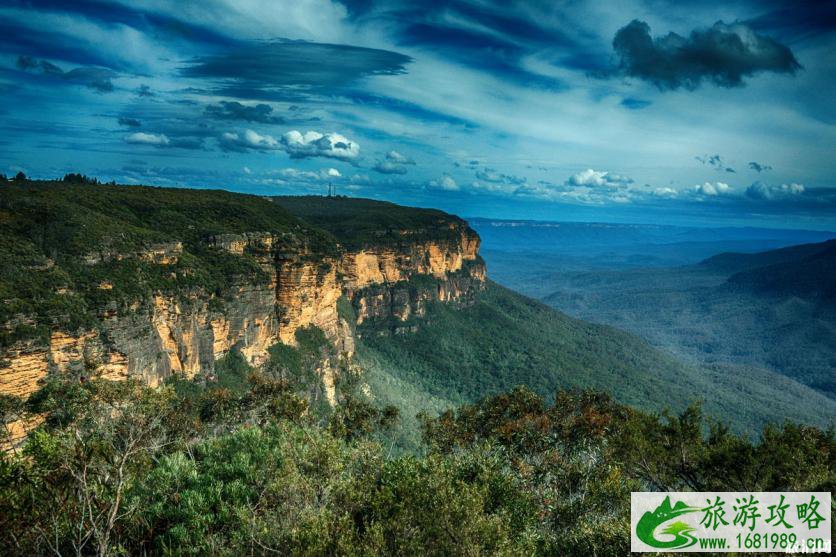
(185, 332)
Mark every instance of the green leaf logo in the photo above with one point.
(681, 532)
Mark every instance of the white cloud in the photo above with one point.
(713, 189)
(491, 175)
(759, 190)
(598, 179)
(141, 138)
(249, 140)
(398, 158)
(446, 182)
(257, 19)
(395, 163)
(315, 144)
(665, 192)
(323, 175)
(493, 187)
(247, 170)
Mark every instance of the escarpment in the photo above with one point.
(144, 297)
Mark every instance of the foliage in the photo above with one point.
(360, 223)
(74, 178)
(133, 470)
(459, 355)
(68, 248)
(581, 457)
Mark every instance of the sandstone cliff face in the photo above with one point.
(184, 333)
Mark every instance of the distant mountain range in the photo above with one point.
(807, 271)
(611, 245)
(772, 311)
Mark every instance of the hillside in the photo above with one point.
(242, 467)
(506, 339)
(454, 356)
(770, 311)
(735, 262)
(809, 274)
(149, 283)
(59, 242)
(137, 282)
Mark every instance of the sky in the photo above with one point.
(718, 113)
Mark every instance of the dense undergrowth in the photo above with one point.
(238, 463)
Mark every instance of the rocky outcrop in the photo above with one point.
(397, 308)
(185, 332)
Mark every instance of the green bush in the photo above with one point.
(118, 468)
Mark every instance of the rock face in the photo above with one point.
(449, 271)
(184, 333)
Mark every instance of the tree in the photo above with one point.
(73, 178)
(70, 487)
(20, 177)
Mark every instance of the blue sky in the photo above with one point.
(639, 110)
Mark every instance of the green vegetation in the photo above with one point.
(809, 276)
(360, 223)
(244, 461)
(296, 365)
(60, 241)
(757, 316)
(208, 469)
(460, 355)
(70, 247)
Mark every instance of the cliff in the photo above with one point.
(149, 298)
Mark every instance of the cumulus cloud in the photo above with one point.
(724, 54)
(598, 179)
(93, 77)
(394, 163)
(494, 177)
(249, 140)
(765, 192)
(309, 176)
(141, 138)
(570, 192)
(758, 167)
(665, 192)
(542, 189)
(398, 158)
(445, 182)
(316, 144)
(712, 189)
(233, 110)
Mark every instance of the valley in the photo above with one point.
(757, 312)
